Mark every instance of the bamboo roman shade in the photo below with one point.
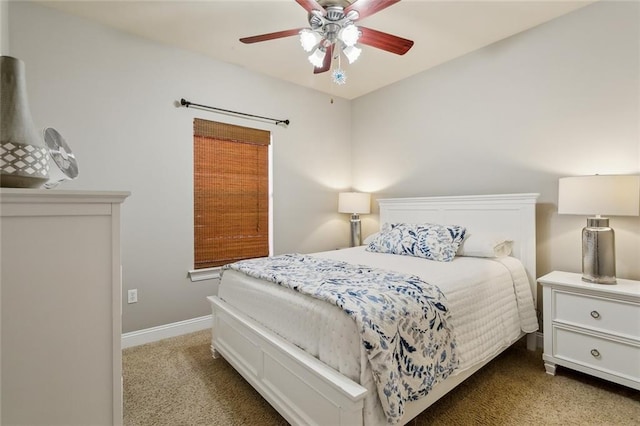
(231, 193)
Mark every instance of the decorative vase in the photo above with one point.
(24, 158)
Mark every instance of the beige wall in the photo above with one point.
(111, 95)
(559, 100)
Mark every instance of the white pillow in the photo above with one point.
(485, 245)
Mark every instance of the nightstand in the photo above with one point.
(592, 328)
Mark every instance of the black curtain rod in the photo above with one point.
(277, 122)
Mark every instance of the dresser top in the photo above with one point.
(26, 195)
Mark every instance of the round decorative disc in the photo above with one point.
(61, 153)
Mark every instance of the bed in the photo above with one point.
(302, 355)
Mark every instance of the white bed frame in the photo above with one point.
(306, 391)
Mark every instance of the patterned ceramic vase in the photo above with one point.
(24, 158)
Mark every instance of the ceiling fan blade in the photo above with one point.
(384, 41)
(311, 5)
(326, 64)
(271, 36)
(369, 7)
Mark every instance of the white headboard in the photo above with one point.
(509, 215)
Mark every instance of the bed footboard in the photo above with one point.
(301, 388)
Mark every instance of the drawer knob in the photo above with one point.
(595, 353)
(595, 314)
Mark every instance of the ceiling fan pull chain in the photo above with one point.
(339, 76)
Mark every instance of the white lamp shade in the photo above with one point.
(309, 39)
(352, 53)
(317, 58)
(354, 202)
(612, 195)
(349, 35)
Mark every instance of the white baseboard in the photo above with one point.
(153, 334)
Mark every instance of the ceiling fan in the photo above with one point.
(333, 30)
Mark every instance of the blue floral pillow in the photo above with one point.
(431, 241)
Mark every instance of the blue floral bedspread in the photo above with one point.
(402, 320)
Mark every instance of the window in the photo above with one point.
(231, 193)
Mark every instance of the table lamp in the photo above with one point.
(614, 195)
(355, 203)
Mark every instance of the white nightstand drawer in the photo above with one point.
(595, 313)
(605, 355)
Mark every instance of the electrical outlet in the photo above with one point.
(132, 296)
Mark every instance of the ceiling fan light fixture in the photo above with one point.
(349, 35)
(317, 58)
(352, 15)
(352, 53)
(332, 31)
(309, 39)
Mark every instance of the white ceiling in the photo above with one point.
(442, 30)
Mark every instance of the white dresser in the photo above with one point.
(592, 328)
(60, 307)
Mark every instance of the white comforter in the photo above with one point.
(490, 303)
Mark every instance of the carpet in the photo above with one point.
(176, 382)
